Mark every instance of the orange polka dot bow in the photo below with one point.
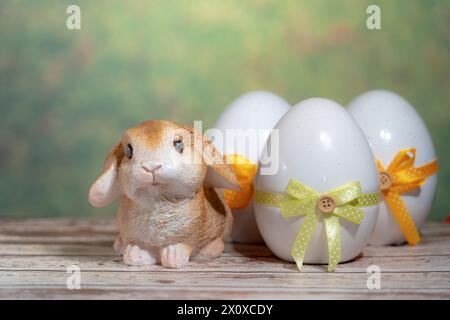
(245, 172)
(343, 202)
(401, 176)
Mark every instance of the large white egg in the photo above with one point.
(390, 124)
(321, 146)
(253, 115)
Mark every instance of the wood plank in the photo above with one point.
(31, 249)
(426, 248)
(227, 263)
(65, 231)
(206, 293)
(35, 253)
(190, 280)
(94, 239)
(103, 231)
(48, 224)
(434, 226)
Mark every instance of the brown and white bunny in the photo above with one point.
(169, 210)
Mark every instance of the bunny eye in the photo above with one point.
(178, 144)
(128, 151)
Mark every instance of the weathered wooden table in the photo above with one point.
(36, 254)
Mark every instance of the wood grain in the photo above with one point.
(35, 254)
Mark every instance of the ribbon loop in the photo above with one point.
(292, 207)
(403, 159)
(406, 178)
(416, 175)
(346, 193)
(300, 191)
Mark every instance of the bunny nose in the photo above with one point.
(151, 168)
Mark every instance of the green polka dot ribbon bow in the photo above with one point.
(300, 200)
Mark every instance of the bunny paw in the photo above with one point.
(135, 256)
(211, 250)
(176, 255)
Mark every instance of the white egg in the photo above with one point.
(321, 146)
(254, 114)
(390, 124)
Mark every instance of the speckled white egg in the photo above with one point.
(390, 124)
(321, 146)
(258, 111)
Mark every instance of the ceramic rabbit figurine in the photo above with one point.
(169, 210)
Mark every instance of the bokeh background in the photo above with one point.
(67, 95)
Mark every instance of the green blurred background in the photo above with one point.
(67, 95)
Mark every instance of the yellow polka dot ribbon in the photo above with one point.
(300, 200)
(405, 177)
(245, 172)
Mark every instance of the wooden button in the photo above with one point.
(326, 204)
(385, 180)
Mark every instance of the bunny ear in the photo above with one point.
(219, 174)
(106, 188)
